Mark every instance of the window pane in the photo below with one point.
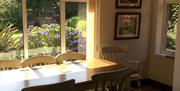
(11, 39)
(171, 25)
(76, 26)
(43, 27)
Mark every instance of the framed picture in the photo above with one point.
(127, 25)
(128, 3)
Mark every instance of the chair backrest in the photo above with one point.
(113, 81)
(135, 65)
(116, 54)
(9, 64)
(62, 86)
(70, 56)
(38, 60)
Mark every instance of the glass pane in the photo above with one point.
(172, 18)
(11, 39)
(43, 27)
(76, 26)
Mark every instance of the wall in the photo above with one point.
(138, 48)
(160, 68)
(176, 77)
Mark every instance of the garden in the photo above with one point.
(43, 39)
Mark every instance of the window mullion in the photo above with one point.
(63, 31)
(25, 38)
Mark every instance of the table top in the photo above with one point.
(81, 71)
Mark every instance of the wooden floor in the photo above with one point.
(150, 88)
(151, 85)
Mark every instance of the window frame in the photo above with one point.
(62, 24)
(161, 33)
(79, 1)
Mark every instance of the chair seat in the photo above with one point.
(135, 76)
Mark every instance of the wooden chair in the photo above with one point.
(9, 64)
(115, 54)
(69, 56)
(62, 86)
(38, 60)
(119, 55)
(110, 81)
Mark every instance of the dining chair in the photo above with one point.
(69, 56)
(38, 60)
(62, 86)
(111, 81)
(115, 54)
(9, 64)
(119, 55)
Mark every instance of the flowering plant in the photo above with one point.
(48, 35)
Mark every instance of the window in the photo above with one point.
(43, 23)
(41, 27)
(11, 42)
(171, 26)
(76, 26)
(166, 39)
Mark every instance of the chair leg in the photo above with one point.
(127, 85)
(139, 85)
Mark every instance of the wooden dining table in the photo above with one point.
(80, 70)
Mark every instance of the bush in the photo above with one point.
(10, 11)
(7, 41)
(48, 35)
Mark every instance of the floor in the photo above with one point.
(150, 88)
(153, 86)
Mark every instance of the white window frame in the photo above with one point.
(63, 41)
(161, 33)
(62, 24)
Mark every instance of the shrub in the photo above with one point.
(10, 11)
(48, 35)
(7, 41)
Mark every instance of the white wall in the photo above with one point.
(160, 67)
(176, 79)
(138, 48)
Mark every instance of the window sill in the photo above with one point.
(167, 53)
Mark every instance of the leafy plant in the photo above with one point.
(48, 35)
(75, 33)
(172, 23)
(10, 11)
(7, 41)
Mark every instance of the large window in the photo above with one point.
(171, 19)
(166, 33)
(44, 29)
(171, 28)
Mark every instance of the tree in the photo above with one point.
(172, 23)
(10, 11)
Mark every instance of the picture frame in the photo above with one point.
(127, 25)
(128, 3)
